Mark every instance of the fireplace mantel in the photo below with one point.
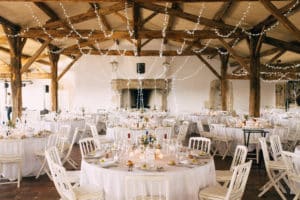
(161, 85)
(122, 84)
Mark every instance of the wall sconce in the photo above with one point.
(114, 65)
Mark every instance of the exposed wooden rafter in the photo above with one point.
(68, 67)
(209, 66)
(281, 18)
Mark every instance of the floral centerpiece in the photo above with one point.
(148, 139)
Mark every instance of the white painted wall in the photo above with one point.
(87, 85)
(190, 89)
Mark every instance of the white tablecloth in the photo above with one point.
(30, 164)
(184, 182)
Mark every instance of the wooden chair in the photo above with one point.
(183, 129)
(51, 141)
(219, 137)
(87, 146)
(200, 143)
(69, 192)
(67, 156)
(236, 187)
(276, 147)
(276, 171)
(11, 157)
(52, 156)
(239, 157)
(292, 163)
(146, 187)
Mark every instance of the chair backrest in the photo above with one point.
(238, 181)
(146, 187)
(264, 149)
(67, 155)
(276, 146)
(62, 185)
(200, 143)
(292, 163)
(87, 145)
(64, 131)
(11, 148)
(239, 157)
(53, 155)
(183, 129)
(52, 140)
(200, 126)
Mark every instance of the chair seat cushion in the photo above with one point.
(73, 176)
(223, 175)
(214, 192)
(88, 192)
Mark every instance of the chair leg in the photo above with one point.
(297, 196)
(19, 175)
(72, 163)
(41, 169)
(228, 146)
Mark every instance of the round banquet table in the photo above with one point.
(30, 164)
(184, 182)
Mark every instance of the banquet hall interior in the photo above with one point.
(150, 99)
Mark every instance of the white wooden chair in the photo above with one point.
(69, 192)
(200, 143)
(203, 133)
(64, 132)
(292, 163)
(100, 139)
(276, 147)
(51, 141)
(52, 156)
(183, 129)
(87, 146)
(236, 187)
(276, 171)
(293, 137)
(9, 157)
(146, 187)
(219, 137)
(67, 156)
(239, 157)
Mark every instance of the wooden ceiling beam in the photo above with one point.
(144, 21)
(281, 18)
(47, 10)
(96, 6)
(237, 77)
(209, 66)
(35, 56)
(5, 22)
(271, 20)
(274, 58)
(68, 67)
(171, 21)
(234, 54)
(289, 46)
(86, 16)
(143, 34)
(183, 1)
(190, 17)
(27, 76)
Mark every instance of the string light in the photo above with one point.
(131, 32)
(198, 20)
(100, 23)
(245, 13)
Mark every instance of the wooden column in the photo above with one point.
(54, 80)
(255, 43)
(16, 45)
(224, 83)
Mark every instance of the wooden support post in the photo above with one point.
(16, 45)
(224, 82)
(54, 80)
(254, 99)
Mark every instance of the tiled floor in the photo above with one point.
(44, 189)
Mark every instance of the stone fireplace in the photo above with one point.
(134, 93)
